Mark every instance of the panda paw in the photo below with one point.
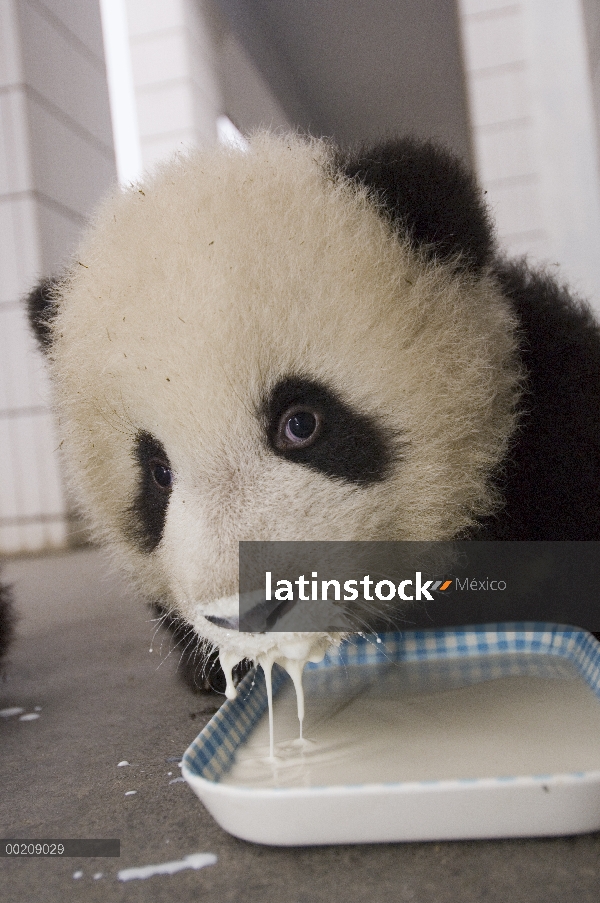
(7, 620)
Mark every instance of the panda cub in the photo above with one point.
(296, 343)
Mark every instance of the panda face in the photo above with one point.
(247, 348)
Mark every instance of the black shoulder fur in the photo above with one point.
(551, 479)
(429, 193)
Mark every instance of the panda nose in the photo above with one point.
(265, 615)
(227, 623)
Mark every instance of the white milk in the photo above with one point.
(426, 721)
(293, 656)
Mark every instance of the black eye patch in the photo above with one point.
(309, 424)
(145, 519)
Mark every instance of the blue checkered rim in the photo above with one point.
(211, 753)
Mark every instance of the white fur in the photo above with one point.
(196, 292)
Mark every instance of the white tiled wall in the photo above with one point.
(177, 90)
(188, 68)
(502, 115)
(534, 131)
(56, 160)
(591, 13)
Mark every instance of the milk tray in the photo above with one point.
(473, 803)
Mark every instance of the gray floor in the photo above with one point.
(82, 656)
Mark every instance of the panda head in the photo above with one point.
(280, 344)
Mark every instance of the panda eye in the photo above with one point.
(161, 473)
(310, 425)
(299, 427)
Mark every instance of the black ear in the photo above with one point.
(429, 193)
(41, 308)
